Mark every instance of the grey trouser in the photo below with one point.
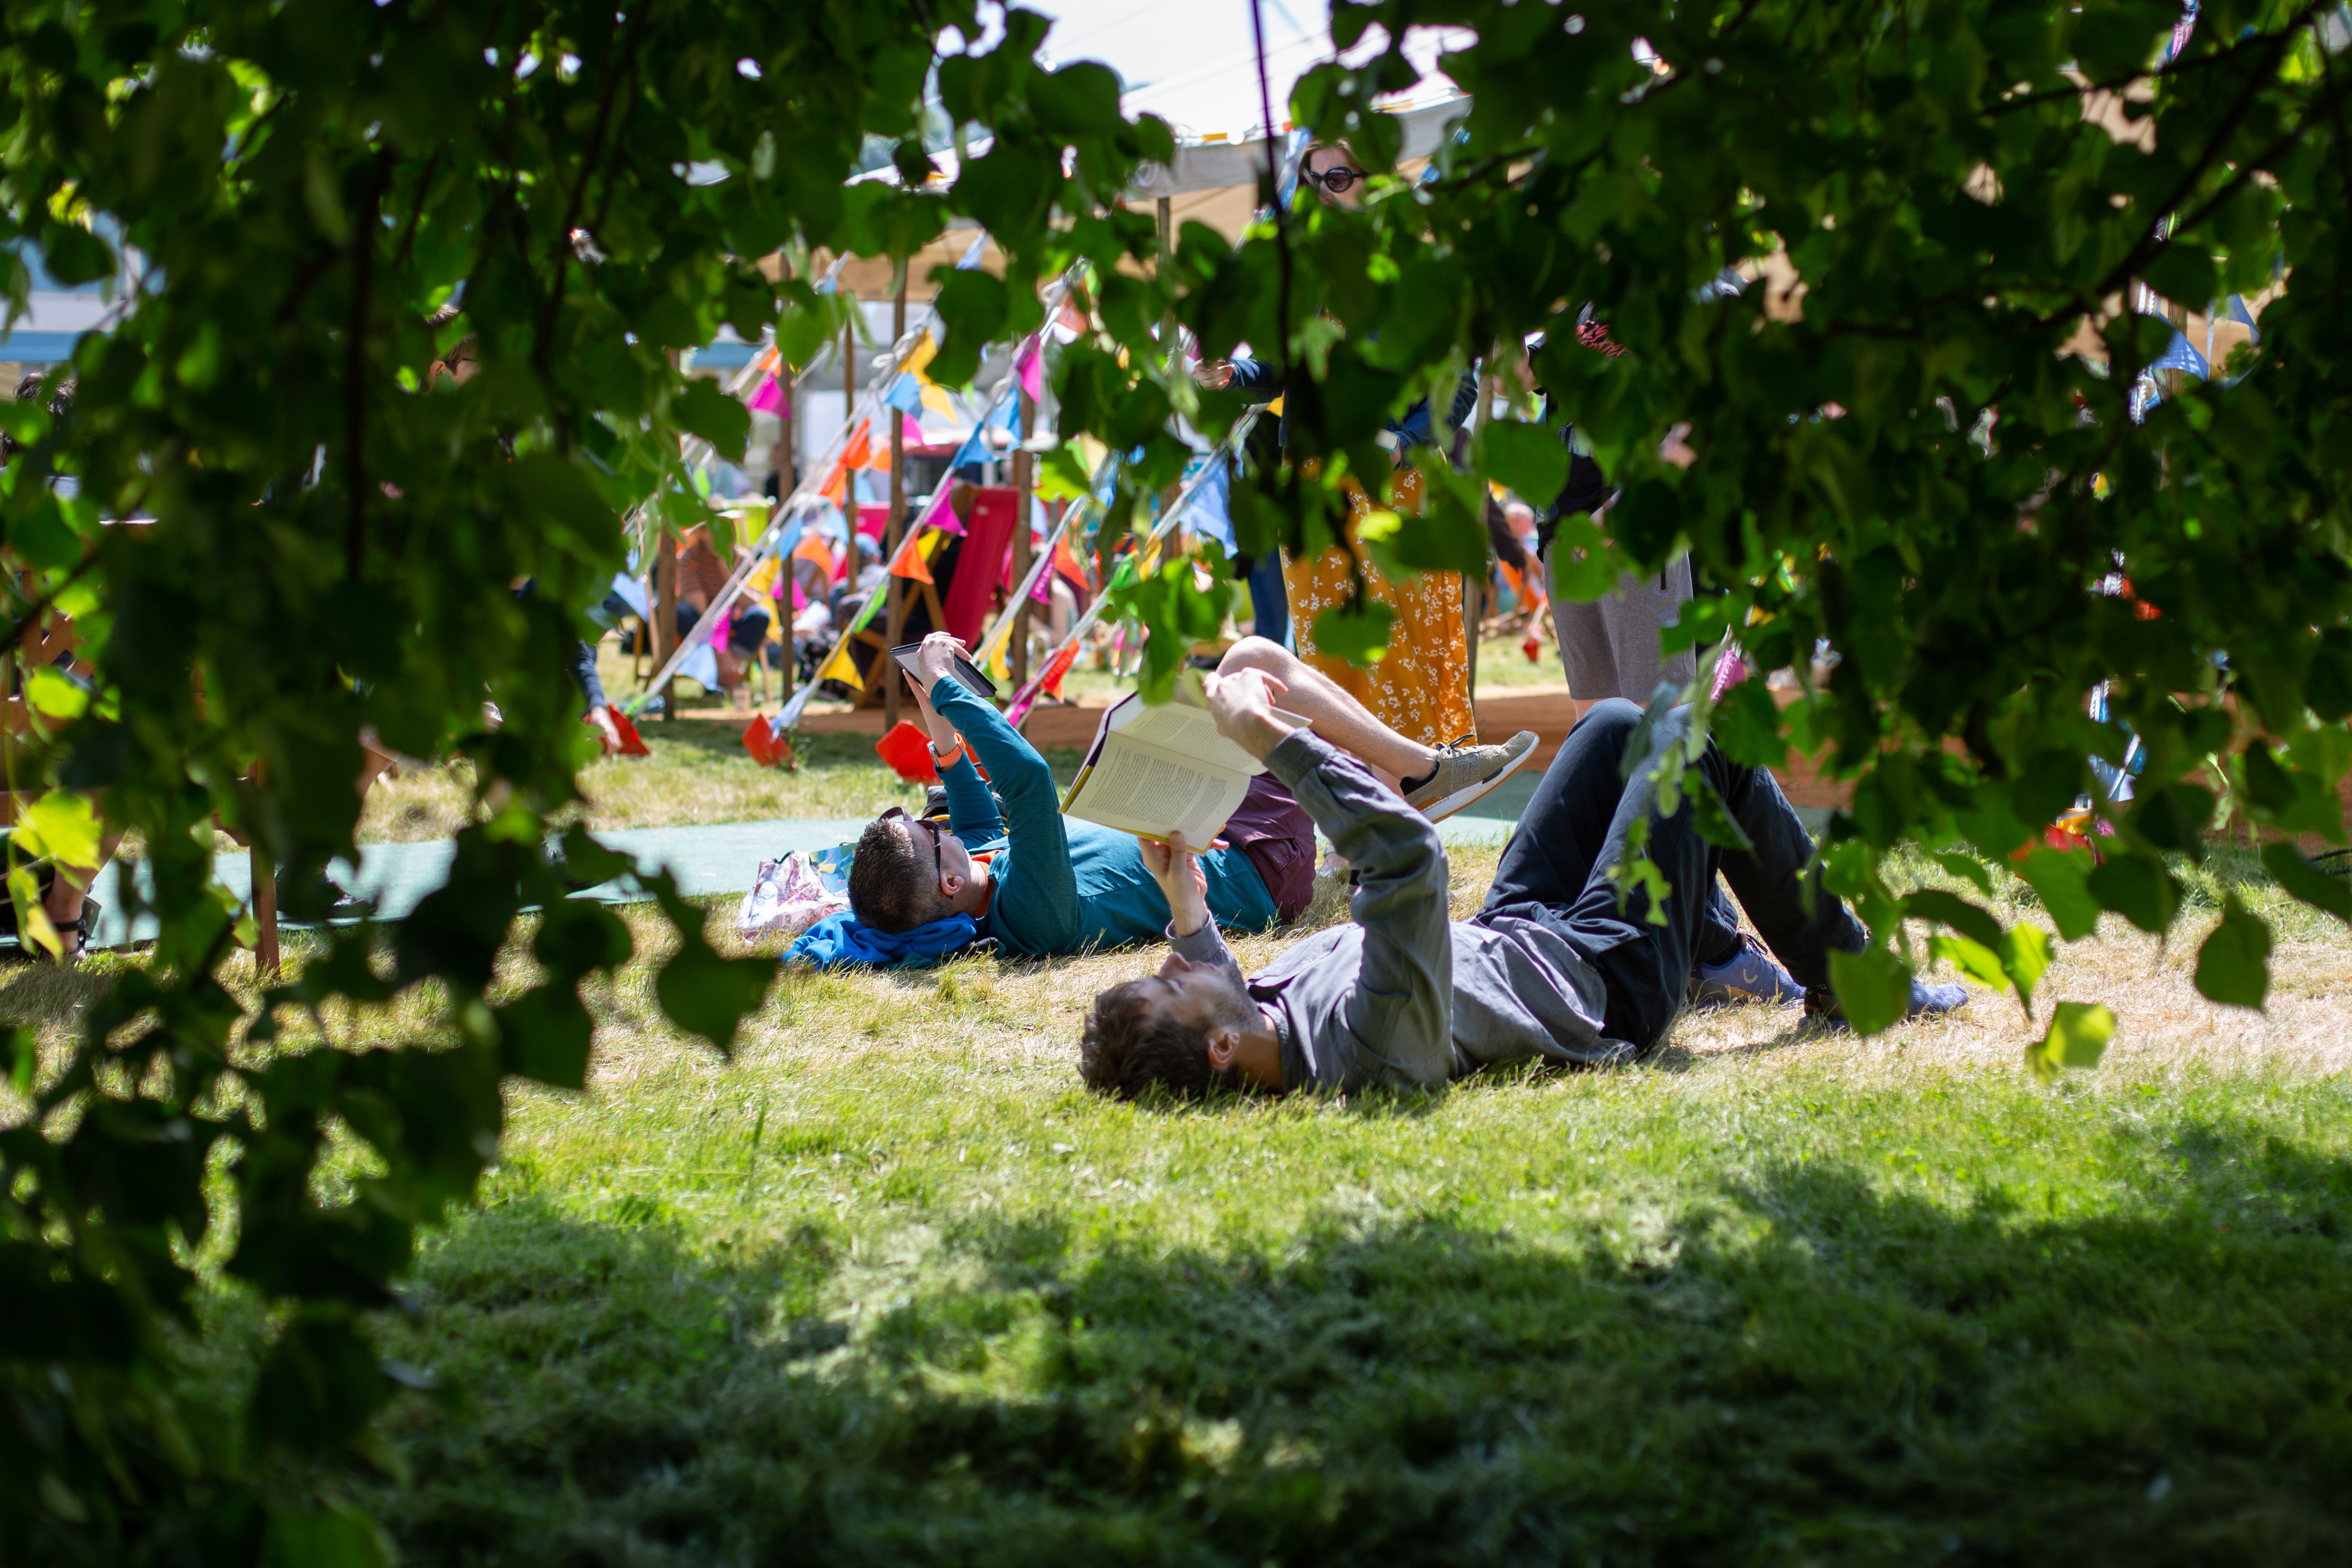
(1609, 646)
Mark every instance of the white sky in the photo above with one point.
(1194, 62)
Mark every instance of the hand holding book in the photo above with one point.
(1178, 871)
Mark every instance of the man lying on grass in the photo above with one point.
(1550, 968)
(1061, 886)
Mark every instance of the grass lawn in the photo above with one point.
(890, 1286)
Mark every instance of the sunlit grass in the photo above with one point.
(889, 1285)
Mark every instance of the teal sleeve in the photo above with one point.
(972, 807)
(1035, 906)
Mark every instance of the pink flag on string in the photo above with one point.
(1032, 372)
(769, 398)
(939, 514)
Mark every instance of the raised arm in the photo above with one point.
(1402, 1006)
(973, 816)
(1037, 901)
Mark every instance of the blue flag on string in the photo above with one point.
(1006, 417)
(2181, 354)
(905, 395)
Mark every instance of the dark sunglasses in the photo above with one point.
(938, 859)
(1338, 179)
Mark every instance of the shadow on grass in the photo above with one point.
(1800, 1369)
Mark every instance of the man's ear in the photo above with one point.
(951, 884)
(1225, 1043)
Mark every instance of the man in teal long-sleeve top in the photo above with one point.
(1052, 884)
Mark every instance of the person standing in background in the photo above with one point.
(1609, 647)
(1421, 686)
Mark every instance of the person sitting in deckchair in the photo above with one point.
(1553, 968)
(1058, 884)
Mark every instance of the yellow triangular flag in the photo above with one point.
(842, 667)
(922, 354)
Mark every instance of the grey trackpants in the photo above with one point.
(1610, 648)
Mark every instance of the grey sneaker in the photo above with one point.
(1467, 773)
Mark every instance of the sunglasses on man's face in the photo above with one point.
(1338, 179)
(939, 858)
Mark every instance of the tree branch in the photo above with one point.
(355, 345)
(617, 70)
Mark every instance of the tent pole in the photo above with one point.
(895, 606)
(1022, 468)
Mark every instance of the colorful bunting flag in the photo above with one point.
(842, 667)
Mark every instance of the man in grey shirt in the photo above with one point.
(1549, 969)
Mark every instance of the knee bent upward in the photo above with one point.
(1256, 652)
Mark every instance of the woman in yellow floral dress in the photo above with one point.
(1421, 686)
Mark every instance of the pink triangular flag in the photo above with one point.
(769, 398)
(1032, 372)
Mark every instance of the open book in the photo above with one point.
(1156, 771)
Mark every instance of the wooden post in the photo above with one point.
(666, 616)
(1023, 558)
(894, 527)
(265, 912)
(788, 451)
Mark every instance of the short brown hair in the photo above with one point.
(891, 888)
(1129, 1047)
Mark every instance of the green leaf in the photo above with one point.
(2025, 959)
(705, 408)
(2233, 965)
(2306, 881)
(1746, 725)
(1874, 987)
(2079, 1034)
(545, 1033)
(2182, 274)
(974, 305)
(1529, 459)
(1359, 635)
(62, 826)
(325, 1538)
(2061, 879)
(1584, 566)
(319, 1385)
(1077, 101)
(1973, 958)
(549, 489)
(1967, 867)
(2137, 888)
(1715, 824)
(54, 695)
(1950, 910)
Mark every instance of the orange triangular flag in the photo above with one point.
(910, 565)
(1066, 656)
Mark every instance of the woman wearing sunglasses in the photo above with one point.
(1421, 688)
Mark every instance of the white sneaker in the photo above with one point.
(1468, 774)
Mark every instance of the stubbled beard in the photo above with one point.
(1229, 1001)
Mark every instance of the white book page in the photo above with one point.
(1185, 732)
(1140, 788)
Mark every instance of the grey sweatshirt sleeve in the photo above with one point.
(1401, 1009)
(1206, 945)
